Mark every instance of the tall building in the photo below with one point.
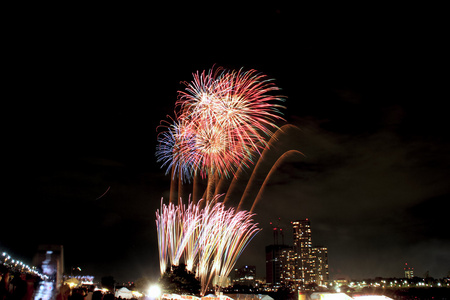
(275, 259)
(303, 248)
(298, 266)
(320, 265)
(287, 259)
(409, 272)
(311, 263)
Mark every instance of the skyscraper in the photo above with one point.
(298, 266)
(288, 267)
(320, 265)
(275, 255)
(303, 247)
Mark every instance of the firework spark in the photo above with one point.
(223, 119)
(176, 149)
(211, 238)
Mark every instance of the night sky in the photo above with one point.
(85, 88)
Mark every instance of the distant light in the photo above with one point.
(136, 294)
(72, 284)
(154, 291)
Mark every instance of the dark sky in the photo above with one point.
(86, 86)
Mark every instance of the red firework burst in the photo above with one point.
(229, 115)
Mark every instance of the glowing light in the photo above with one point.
(154, 291)
(212, 238)
(72, 285)
(45, 291)
(136, 294)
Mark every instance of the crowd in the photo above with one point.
(16, 285)
(83, 293)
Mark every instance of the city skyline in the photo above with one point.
(299, 265)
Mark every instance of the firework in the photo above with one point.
(211, 238)
(223, 119)
(236, 231)
(166, 226)
(176, 149)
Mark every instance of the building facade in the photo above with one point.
(275, 260)
(299, 266)
(303, 248)
(409, 272)
(288, 267)
(320, 265)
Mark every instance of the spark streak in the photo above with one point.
(223, 119)
(211, 239)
